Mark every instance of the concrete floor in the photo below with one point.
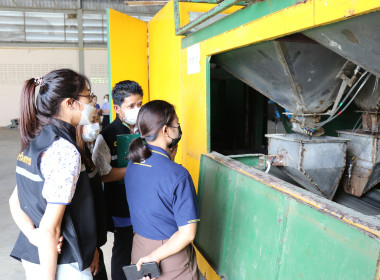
(9, 149)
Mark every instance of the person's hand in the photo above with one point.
(59, 246)
(146, 259)
(173, 152)
(95, 263)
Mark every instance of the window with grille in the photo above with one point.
(45, 27)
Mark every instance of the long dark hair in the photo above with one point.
(150, 121)
(40, 110)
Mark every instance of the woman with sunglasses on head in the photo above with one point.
(161, 195)
(53, 196)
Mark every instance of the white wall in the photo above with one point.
(20, 64)
(96, 69)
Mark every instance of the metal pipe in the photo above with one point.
(209, 14)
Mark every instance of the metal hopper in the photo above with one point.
(303, 77)
(316, 163)
(297, 73)
(358, 40)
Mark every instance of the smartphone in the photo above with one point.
(150, 269)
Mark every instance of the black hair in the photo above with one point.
(152, 117)
(40, 110)
(125, 89)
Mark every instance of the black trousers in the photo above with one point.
(121, 251)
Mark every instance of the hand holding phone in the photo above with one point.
(150, 269)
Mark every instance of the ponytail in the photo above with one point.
(29, 125)
(151, 119)
(138, 152)
(42, 109)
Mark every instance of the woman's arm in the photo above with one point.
(116, 174)
(95, 263)
(23, 222)
(50, 231)
(176, 243)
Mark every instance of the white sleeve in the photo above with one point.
(101, 156)
(60, 166)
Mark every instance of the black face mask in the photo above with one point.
(175, 140)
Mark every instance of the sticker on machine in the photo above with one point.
(193, 59)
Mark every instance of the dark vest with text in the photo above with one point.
(78, 224)
(115, 191)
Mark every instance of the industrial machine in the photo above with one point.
(304, 204)
(307, 77)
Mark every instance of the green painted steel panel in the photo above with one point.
(215, 189)
(318, 246)
(249, 230)
(251, 160)
(279, 5)
(208, 102)
(237, 19)
(255, 231)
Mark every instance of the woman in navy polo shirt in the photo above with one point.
(161, 195)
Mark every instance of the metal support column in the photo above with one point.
(80, 37)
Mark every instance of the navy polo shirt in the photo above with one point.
(161, 196)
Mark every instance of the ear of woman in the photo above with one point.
(66, 111)
(165, 131)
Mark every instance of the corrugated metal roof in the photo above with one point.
(92, 5)
(47, 21)
(45, 27)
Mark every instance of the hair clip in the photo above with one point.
(38, 81)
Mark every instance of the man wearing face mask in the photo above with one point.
(127, 99)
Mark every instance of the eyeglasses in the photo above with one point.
(90, 96)
(174, 126)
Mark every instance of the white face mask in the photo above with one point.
(91, 132)
(105, 100)
(130, 116)
(86, 114)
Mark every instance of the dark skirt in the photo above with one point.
(182, 265)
